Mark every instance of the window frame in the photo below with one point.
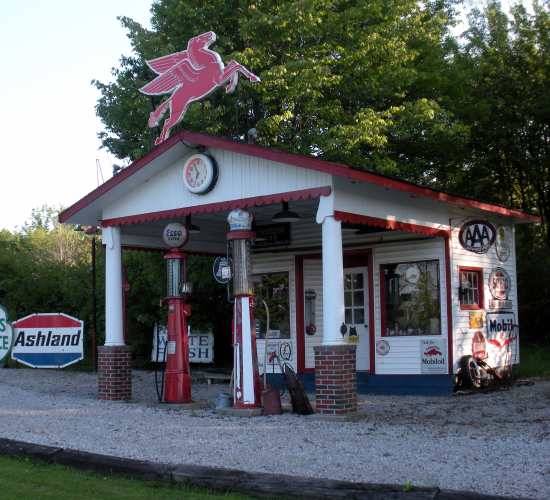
(382, 291)
(480, 289)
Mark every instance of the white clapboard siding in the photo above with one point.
(240, 176)
(272, 263)
(313, 279)
(463, 335)
(404, 356)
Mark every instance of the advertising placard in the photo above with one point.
(433, 354)
(48, 340)
(501, 329)
(201, 346)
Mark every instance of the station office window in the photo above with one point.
(274, 289)
(410, 298)
(471, 287)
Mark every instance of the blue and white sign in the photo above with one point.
(5, 334)
(50, 340)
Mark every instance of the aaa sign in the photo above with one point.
(52, 340)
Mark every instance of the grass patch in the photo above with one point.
(534, 361)
(24, 479)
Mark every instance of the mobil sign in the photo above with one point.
(51, 340)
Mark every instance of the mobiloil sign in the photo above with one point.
(51, 340)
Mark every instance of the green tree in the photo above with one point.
(360, 82)
(506, 104)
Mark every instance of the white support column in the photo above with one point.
(114, 335)
(333, 281)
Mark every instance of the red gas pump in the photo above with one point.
(177, 378)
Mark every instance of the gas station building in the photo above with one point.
(374, 284)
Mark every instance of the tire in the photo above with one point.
(471, 372)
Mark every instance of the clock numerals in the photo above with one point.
(199, 174)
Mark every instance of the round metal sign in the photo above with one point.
(6, 334)
(222, 270)
(499, 283)
(175, 235)
(382, 347)
(503, 243)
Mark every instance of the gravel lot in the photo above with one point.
(497, 443)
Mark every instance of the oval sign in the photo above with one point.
(477, 236)
(503, 243)
(175, 235)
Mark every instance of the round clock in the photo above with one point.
(200, 174)
(412, 274)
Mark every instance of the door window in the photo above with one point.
(354, 298)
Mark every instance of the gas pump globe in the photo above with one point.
(177, 378)
(246, 385)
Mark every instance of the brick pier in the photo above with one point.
(114, 373)
(335, 379)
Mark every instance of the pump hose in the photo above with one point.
(160, 392)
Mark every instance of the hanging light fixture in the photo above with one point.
(191, 228)
(285, 215)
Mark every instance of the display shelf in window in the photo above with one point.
(410, 299)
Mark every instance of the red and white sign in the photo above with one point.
(49, 340)
(479, 347)
(189, 76)
(433, 354)
(175, 235)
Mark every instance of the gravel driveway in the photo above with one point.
(496, 443)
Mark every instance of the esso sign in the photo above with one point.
(175, 235)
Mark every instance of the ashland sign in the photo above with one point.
(52, 340)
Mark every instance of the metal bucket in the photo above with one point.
(271, 399)
(224, 400)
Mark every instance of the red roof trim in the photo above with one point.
(390, 224)
(309, 162)
(303, 194)
(47, 320)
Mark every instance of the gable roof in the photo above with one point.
(309, 162)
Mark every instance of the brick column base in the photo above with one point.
(335, 379)
(114, 372)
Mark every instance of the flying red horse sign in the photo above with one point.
(189, 76)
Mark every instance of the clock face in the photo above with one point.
(412, 274)
(199, 174)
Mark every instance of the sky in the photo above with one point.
(50, 51)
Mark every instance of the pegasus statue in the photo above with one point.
(189, 76)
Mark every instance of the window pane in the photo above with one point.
(347, 299)
(348, 319)
(273, 288)
(359, 316)
(358, 299)
(411, 298)
(347, 282)
(358, 281)
(470, 285)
